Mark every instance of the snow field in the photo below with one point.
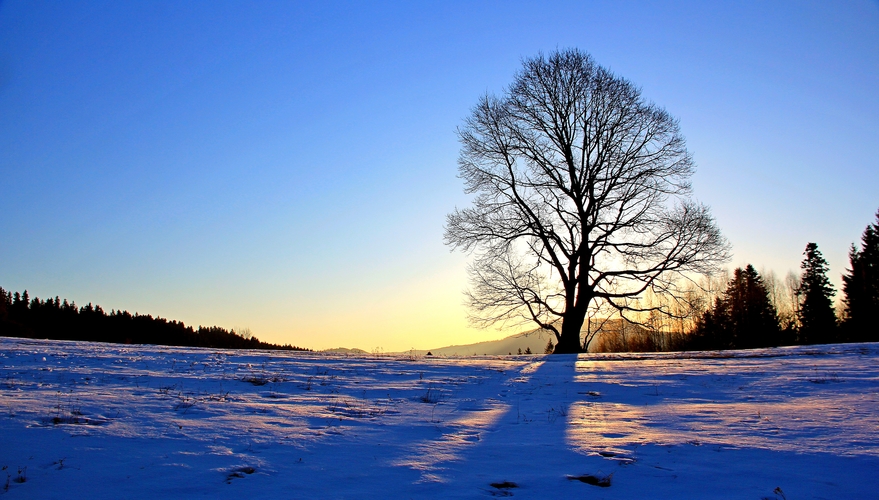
(88, 420)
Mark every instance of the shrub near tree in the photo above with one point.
(817, 319)
(861, 288)
(742, 318)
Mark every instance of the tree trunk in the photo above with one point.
(569, 341)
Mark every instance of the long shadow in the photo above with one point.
(565, 420)
(526, 450)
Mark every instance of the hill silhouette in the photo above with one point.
(609, 335)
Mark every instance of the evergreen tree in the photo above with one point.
(861, 288)
(53, 319)
(817, 319)
(5, 302)
(742, 318)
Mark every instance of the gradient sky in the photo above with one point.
(287, 166)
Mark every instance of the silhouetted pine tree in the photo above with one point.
(817, 319)
(742, 318)
(5, 302)
(861, 288)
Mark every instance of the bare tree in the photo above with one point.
(244, 332)
(582, 199)
(784, 296)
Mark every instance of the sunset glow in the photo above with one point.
(288, 167)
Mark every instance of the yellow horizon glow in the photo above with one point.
(421, 313)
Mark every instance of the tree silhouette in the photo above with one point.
(861, 288)
(582, 199)
(742, 318)
(53, 319)
(817, 319)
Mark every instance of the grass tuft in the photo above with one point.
(431, 396)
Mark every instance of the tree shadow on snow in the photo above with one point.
(523, 443)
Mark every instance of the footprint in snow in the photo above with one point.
(502, 489)
(600, 480)
(611, 455)
(240, 472)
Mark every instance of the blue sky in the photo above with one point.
(288, 166)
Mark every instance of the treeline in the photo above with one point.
(753, 311)
(21, 316)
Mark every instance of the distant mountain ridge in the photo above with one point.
(533, 340)
(536, 340)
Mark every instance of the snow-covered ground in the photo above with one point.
(87, 420)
